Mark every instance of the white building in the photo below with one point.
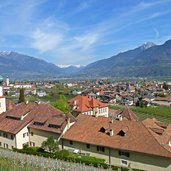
(2, 98)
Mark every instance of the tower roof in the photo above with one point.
(129, 114)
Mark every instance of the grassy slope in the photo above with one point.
(14, 165)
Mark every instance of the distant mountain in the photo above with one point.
(146, 60)
(71, 69)
(147, 45)
(19, 66)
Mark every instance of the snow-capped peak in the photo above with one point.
(5, 53)
(66, 66)
(147, 45)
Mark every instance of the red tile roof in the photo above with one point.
(129, 114)
(84, 103)
(23, 114)
(161, 132)
(9, 104)
(137, 137)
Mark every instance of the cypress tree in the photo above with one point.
(21, 97)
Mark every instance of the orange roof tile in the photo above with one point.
(23, 114)
(129, 114)
(87, 130)
(84, 103)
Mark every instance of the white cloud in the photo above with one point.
(86, 41)
(44, 42)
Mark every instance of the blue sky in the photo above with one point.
(81, 31)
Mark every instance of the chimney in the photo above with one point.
(68, 122)
(111, 132)
(119, 117)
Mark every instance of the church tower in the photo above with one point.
(2, 98)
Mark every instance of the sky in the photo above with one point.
(80, 32)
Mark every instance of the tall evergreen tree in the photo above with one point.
(21, 97)
(165, 86)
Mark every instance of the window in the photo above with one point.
(32, 144)
(71, 142)
(31, 133)
(88, 145)
(100, 148)
(123, 153)
(53, 126)
(0, 143)
(13, 117)
(38, 123)
(124, 162)
(5, 145)
(5, 135)
(102, 129)
(12, 137)
(25, 134)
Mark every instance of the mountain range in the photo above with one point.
(146, 60)
(19, 66)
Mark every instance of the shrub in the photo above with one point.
(34, 149)
(64, 153)
(50, 145)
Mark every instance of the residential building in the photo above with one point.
(137, 144)
(88, 106)
(31, 124)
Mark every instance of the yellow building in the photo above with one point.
(121, 143)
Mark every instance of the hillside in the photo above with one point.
(146, 60)
(21, 66)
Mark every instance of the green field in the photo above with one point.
(162, 113)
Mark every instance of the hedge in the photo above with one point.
(65, 155)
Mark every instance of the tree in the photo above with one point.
(50, 145)
(62, 104)
(21, 97)
(165, 86)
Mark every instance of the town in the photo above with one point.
(125, 123)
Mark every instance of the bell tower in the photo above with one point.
(2, 98)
